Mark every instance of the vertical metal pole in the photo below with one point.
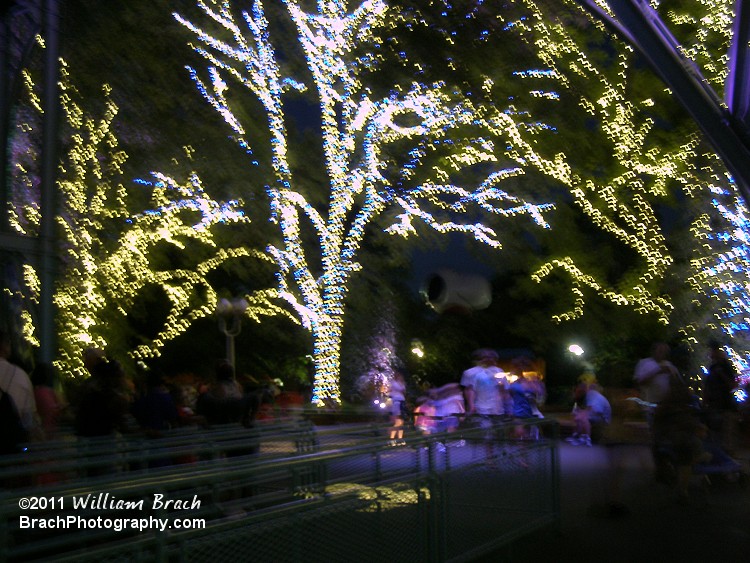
(4, 117)
(48, 238)
(5, 80)
(230, 351)
(737, 91)
(556, 476)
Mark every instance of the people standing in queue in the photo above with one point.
(719, 404)
(652, 374)
(397, 395)
(448, 401)
(17, 390)
(484, 392)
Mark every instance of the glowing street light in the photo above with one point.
(229, 313)
(417, 349)
(575, 349)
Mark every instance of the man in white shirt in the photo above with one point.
(652, 374)
(16, 382)
(485, 389)
(482, 385)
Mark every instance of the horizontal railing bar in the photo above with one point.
(268, 487)
(208, 471)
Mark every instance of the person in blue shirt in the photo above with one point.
(523, 392)
(593, 413)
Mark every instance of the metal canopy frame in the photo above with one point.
(32, 17)
(725, 123)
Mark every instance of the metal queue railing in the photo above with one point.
(70, 457)
(339, 493)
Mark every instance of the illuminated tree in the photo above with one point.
(620, 174)
(634, 149)
(378, 355)
(718, 273)
(644, 156)
(633, 164)
(718, 307)
(589, 106)
(393, 154)
(112, 254)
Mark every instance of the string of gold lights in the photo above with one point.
(107, 252)
(357, 131)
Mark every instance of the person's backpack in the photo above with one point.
(12, 432)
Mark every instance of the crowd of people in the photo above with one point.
(111, 401)
(692, 426)
(686, 425)
(685, 428)
(484, 395)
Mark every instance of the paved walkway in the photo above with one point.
(714, 526)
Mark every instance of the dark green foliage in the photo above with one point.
(137, 48)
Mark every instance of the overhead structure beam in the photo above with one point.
(637, 23)
(737, 91)
(18, 243)
(20, 21)
(48, 239)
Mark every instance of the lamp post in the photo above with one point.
(229, 314)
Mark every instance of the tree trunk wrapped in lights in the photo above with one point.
(396, 156)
